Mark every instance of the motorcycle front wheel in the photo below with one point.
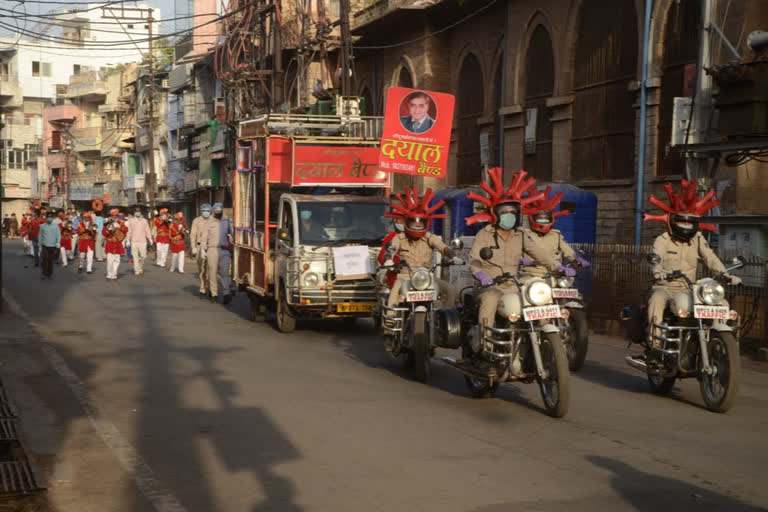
(420, 346)
(720, 388)
(556, 388)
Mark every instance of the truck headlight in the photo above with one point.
(565, 282)
(711, 292)
(421, 280)
(310, 280)
(539, 293)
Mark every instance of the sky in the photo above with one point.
(168, 8)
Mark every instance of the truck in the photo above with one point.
(309, 204)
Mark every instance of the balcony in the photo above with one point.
(10, 94)
(86, 140)
(114, 140)
(88, 91)
(61, 113)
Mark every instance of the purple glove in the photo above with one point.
(569, 272)
(526, 261)
(584, 263)
(484, 278)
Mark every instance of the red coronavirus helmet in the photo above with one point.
(416, 211)
(500, 200)
(542, 214)
(684, 211)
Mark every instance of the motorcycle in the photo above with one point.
(696, 339)
(573, 319)
(523, 345)
(411, 324)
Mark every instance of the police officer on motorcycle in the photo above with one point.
(504, 236)
(681, 246)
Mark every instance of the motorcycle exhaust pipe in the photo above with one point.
(637, 364)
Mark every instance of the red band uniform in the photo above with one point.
(162, 237)
(86, 242)
(114, 232)
(178, 233)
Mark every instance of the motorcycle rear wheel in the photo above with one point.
(556, 389)
(420, 346)
(720, 389)
(478, 388)
(578, 339)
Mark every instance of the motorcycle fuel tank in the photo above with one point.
(681, 302)
(510, 304)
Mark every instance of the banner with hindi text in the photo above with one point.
(417, 132)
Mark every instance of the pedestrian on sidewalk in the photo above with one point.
(114, 233)
(86, 242)
(14, 226)
(139, 236)
(194, 237)
(216, 244)
(50, 242)
(178, 235)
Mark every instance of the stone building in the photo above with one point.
(553, 86)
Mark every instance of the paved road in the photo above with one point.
(137, 396)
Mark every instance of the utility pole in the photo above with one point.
(702, 115)
(151, 124)
(346, 55)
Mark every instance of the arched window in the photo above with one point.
(404, 79)
(603, 134)
(681, 43)
(469, 109)
(539, 86)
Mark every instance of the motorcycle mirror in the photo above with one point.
(486, 253)
(654, 259)
(390, 248)
(457, 244)
(738, 260)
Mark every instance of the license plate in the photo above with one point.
(541, 312)
(565, 293)
(425, 296)
(710, 312)
(354, 307)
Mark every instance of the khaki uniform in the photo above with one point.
(507, 256)
(195, 235)
(552, 242)
(678, 255)
(214, 240)
(418, 253)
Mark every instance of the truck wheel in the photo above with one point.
(258, 308)
(286, 321)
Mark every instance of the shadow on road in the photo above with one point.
(647, 491)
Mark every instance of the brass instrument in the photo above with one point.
(69, 226)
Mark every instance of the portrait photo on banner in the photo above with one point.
(418, 112)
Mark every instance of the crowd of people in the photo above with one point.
(64, 236)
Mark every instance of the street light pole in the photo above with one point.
(150, 125)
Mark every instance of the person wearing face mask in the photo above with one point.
(542, 217)
(215, 245)
(50, 241)
(139, 236)
(163, 237)
(504, 236)
(681, 247)
(86, 243)
(310, 230)
(195, 234)
(178, 235)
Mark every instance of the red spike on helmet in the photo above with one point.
(410, 206)
(545, 204)
(687, 202)
(498, 195)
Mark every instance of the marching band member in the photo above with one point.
(114, 232)
(162, 238)
(178, 234)
(67, 232)
(86, 242)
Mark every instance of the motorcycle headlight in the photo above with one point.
(539, 293)
(310, 280)
(565, 282)
(420, 280)
(712, 292)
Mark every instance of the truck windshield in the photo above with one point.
(326, 223)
